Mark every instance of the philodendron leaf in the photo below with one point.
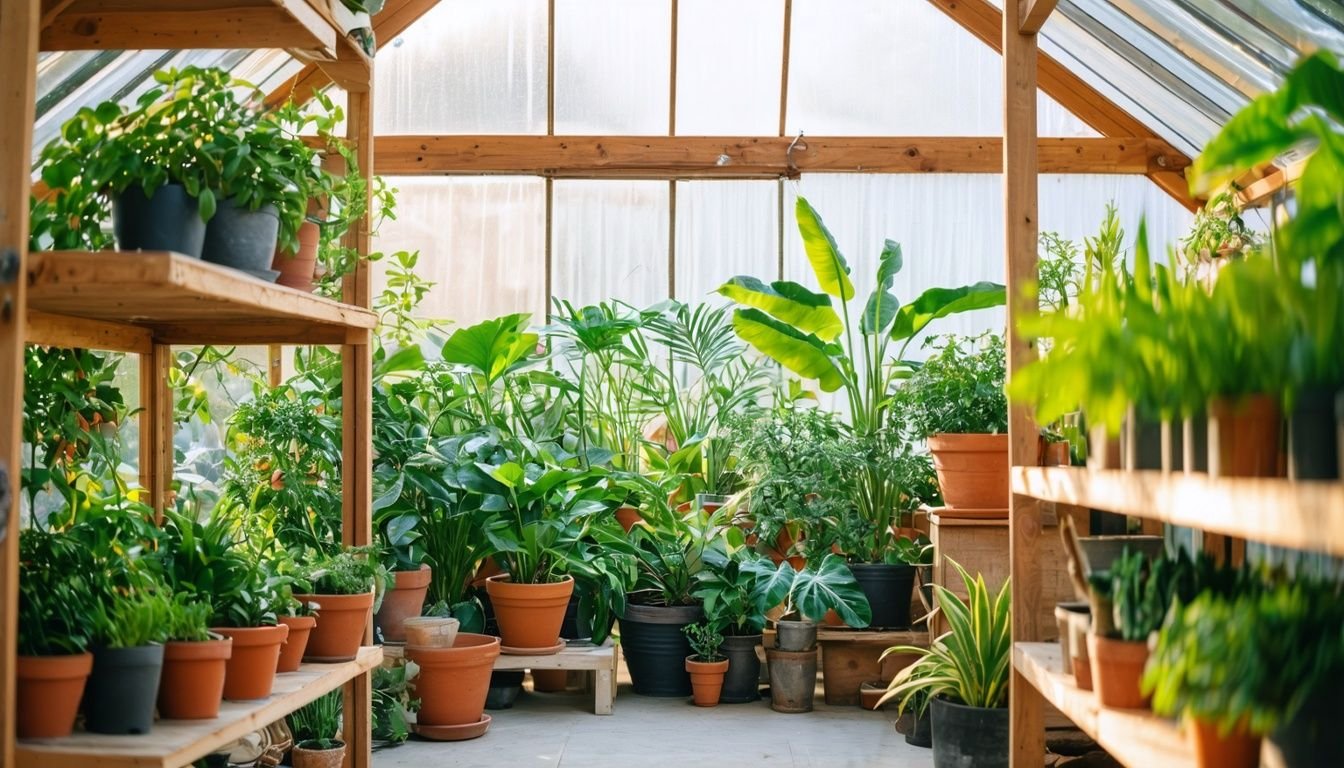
(831, 586)
(787, 301)
(492, 347)
(822, 252)
(804, 354)
(941, 302)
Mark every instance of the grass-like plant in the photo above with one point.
(317, 724)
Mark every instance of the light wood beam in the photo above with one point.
(174, 24)
(748, 157)
(156, 427)
(1033, 13)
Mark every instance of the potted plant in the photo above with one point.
(1129, 603)
(56, 599)
(706, 665)
(345, 587)
(127, 662)
(300, 618)
(452, 684)
(397, 512)
(736, 589)
(194, 663)
(964, 674)
(316, 727)
(810, 593)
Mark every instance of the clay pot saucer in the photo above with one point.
(551, 651)
(453, 732)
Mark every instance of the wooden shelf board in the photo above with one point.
(1136, 738)
(175, 24)
(175, 743)
(180, 300)
(1307, 515)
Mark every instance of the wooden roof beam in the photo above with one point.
(1032, 14)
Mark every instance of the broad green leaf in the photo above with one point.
(889, 264)
(804, 354)
(491, 347)
(787, 301)
(880, 311)
(831, 587)
(822, 252)
(509, 473)
(941, 302)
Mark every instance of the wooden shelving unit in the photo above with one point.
(176, 743)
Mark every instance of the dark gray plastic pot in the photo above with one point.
(921, 730)
(504, 689)
(655, 648)
(123, 689)
(969, 737)
(795, 635)
(742, 683)
(1313, 738)
(169, 220)
(888, 589)
(1313, 450)
(243, 239)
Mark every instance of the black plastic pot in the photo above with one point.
(742, 683)
(242, 239)
(1313, 738)
(1313, 449)
(1143, 442)
(969, 737)
(504, 689)
(888, 589)
(123, 689)
(169, 220)
(655, 648)
(921, 730)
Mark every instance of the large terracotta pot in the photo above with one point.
(1237, 749)
(49, 690)
(453, 682)
(291, 653)
(1244, 436)
(296, 270)
(529, 615)
(628, 517)
(972, 470)
(404, 601)
(250, 672)
(192, 683)
(1117, 666)
(341, 621)
(706, 680)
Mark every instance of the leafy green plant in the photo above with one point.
(135, 619)
(317, 724)
(188, 619)
(737, 588)
(59, 590)
(1141, 593)
(830, 586)
(969, 664)
(392, 701)
(1059, 270)
(705, 640)
(1218, 231)
(352, 571)
(958, 389)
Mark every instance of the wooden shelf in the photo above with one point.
(176, 743)
(1136, 738)
(82, 298)
(1307, 515)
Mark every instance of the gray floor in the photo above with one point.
(558, 729)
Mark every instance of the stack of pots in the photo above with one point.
(454, 678)
(793, 666)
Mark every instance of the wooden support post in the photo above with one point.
(1020, 235)
(18, 58)
(275, 364)
(156, 428)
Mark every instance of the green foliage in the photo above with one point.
(317, 724)
(705, 641)
(392, 701)
(59, 590)
(1060, 271)
(830, 586)
(352, 571)
(220, 561)
(188, 619)
(130, 620)
(970, 663)
(737, 587)
(958, 390)
(1141, 593)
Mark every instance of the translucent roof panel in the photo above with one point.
(744, 38)
(613, 61)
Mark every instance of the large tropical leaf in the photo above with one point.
(789, 302)
(822, 252)
(491, 347)
(941, 302)
(831, 587)
(804, 354)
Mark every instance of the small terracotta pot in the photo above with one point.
(341, 621)
(431, 631)
(250, 671)
(628, 517)
(453, 682)
(296, 270)
(706, 680)
(1236, 749)
(1117, 666)
(550, 680)
(1244, 436)
(1055, 454)
(529, 615)
(291, 653)
(405, 600)
(192, 682)
(49, 690)
(302, 757)
(972, 470)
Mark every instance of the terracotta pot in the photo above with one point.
(1236, 749)
(453, 682)
(405, 600)
(832, 619)
(550, 680)
(484, 571)
(628, 517)
(529, 615)
(341, 621)
(49, 690)
(431, 631)
(192, 683)
(1244, 437)
(1117, 666)
(296, 644)
(1055, 454)
(302, 757)
(972, 470)
(706, 680)
(250, 671)
(296, 270)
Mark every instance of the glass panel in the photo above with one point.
(729, 57)
(612, 66)
(725, 228)
(466, 67)
(481, 241)
(610, 241)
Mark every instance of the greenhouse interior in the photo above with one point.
(759, 382)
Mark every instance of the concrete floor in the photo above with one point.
(559, 729)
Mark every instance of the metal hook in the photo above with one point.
(798, 143)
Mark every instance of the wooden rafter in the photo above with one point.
(1032, 14)
(982, 19)
(748, 157)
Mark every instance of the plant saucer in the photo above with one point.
(550, 651)
(453, 732)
